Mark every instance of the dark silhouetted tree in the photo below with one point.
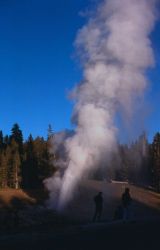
(1, 140)
(29, 170)
(155, 151)
(50, 133)
(14, 164)
(17, 135)
(3, 170)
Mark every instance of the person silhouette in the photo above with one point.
(98, 200)
(126, 202)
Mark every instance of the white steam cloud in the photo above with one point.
(115, 51)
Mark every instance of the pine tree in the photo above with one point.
(17, 135)
(50, 133)
(29, 165)
(6, 140)
(156, 161)
(3, 170)
(122, 172)
(50, 144)
(41, 156)
(1, 140)
(14, 164)
(25, 164)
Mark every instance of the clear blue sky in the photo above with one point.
(37, 68)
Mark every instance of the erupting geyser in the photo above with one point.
(115, 51)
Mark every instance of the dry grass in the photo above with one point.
(8, 195)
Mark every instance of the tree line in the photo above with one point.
(24, 164)
(137, 163)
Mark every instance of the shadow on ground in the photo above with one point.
(27, 224)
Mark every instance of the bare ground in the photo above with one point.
(146, 204)
(35, 227)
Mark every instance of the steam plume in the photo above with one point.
(115, 51)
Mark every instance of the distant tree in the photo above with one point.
(6, 140)
(25, 164)
(144, 149)
(50, 144)
(50, 133)
(138, 155)
(37, 163)
(122, 171)
(14, 165)
(17, 135)
(29, 169)
(155, 151)
(3, 170)
(1, 140)
(44, 159)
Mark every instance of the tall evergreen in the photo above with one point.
(50, 132)
(122, 170)
(6, 140)
(27, 164)
(14, 165)
(43, 159)
(156, 161)
(3, 170)
(50, 144)
(16, 134)
(1, 140)
(29, 170)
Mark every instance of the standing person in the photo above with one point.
(98, 199)
(126, 202)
